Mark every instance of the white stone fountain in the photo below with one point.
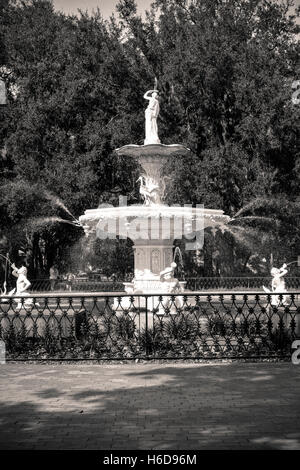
(154, 225)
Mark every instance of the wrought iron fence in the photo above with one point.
(106, 326)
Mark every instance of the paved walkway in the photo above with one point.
(150, 406)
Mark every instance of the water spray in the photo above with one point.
(6, 259)
(3, 292)
(59, 203)
(292, 262)
(75, 222)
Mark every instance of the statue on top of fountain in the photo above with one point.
(151, 115)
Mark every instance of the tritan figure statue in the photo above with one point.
(171, 285)
(278, 285)
(21, 288)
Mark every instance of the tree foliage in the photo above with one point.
(75, 89)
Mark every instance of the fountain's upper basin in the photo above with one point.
(152, 150)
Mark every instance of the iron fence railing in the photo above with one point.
(106, 326)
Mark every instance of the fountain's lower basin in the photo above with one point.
(124, 221)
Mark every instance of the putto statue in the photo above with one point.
(151, 115)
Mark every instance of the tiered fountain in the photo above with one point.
(154, 225)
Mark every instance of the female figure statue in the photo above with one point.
(151, 114)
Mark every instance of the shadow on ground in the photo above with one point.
(150, 406)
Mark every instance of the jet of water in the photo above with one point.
(273, 204)
(237, 228)
(47, 220)
(4, 257)
(292, 262)
(252, 218)
(240, 233)
(58, 202)
(52, 220)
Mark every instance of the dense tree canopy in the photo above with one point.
(75, 88)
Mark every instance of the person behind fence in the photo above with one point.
(70, 277)
(53, 276)
(22, 286)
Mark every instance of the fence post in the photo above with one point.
(146, 326)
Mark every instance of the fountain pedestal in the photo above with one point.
(153, 255)
(152, 158)
(149, 260)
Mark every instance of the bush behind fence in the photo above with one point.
(199, 326)
(194, 284)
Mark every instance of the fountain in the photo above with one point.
(153, 226)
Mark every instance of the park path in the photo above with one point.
(150, 406)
